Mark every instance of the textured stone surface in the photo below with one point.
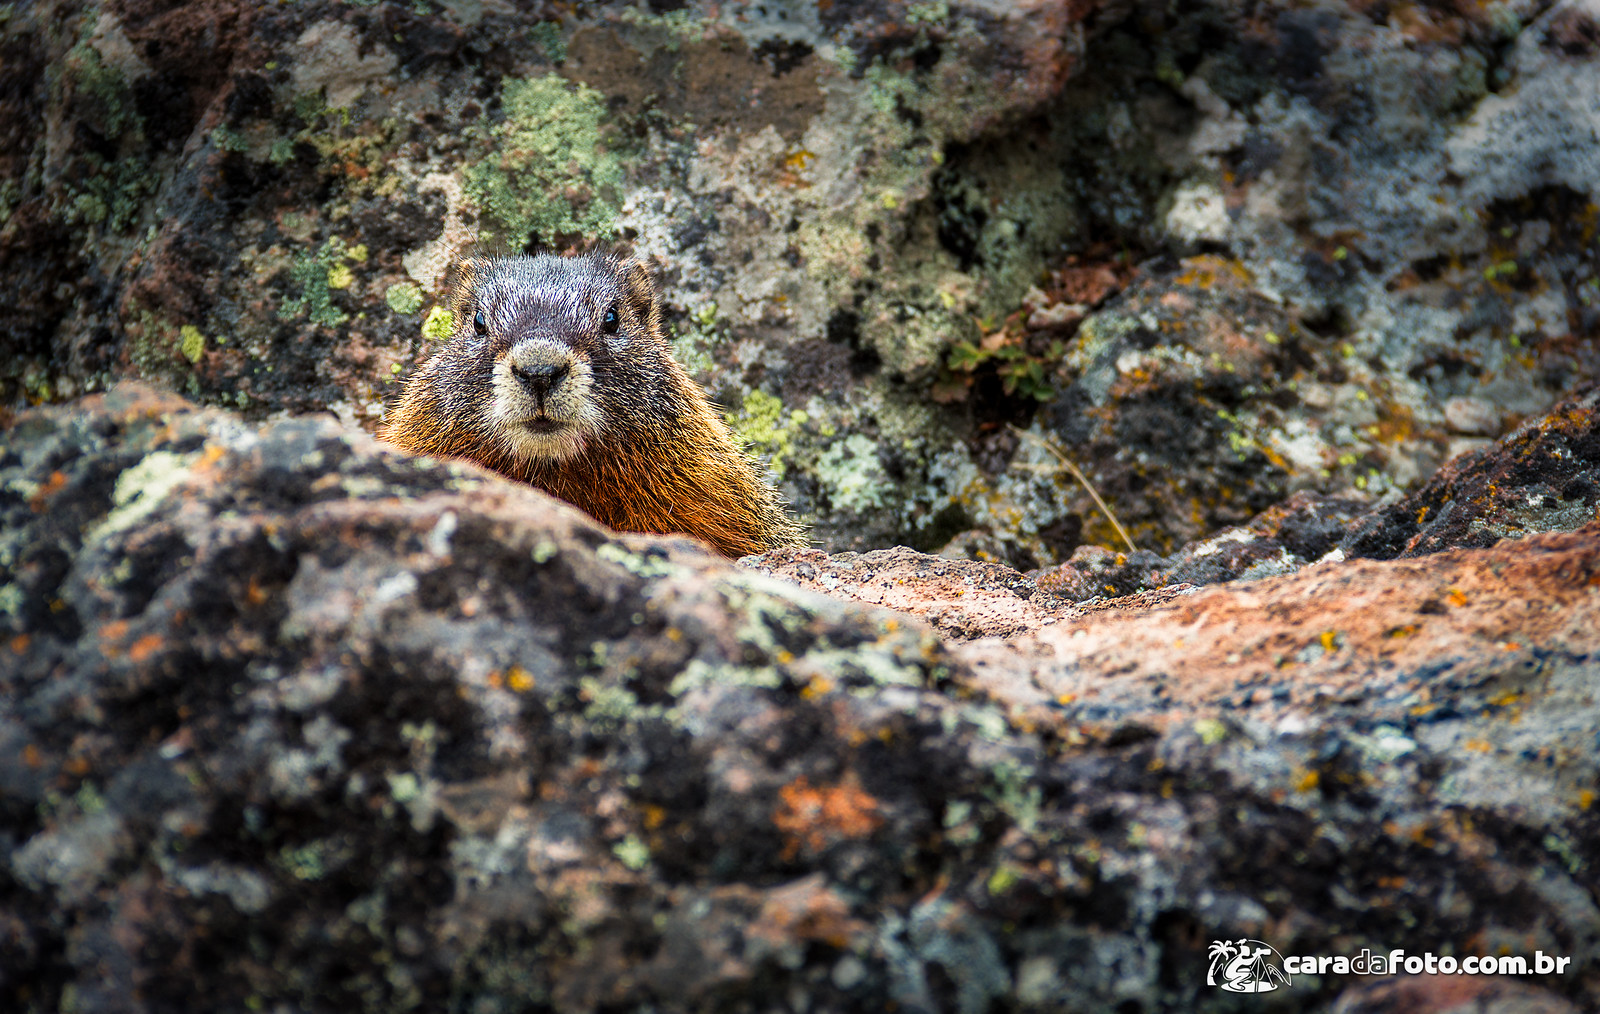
(291, 721)
(1211, 255)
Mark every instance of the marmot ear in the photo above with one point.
(461, 276)
(641, 294)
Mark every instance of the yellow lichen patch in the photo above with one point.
(1209, 270)
(191, 342)
(519, 679)
(816, 687)
(212, 454)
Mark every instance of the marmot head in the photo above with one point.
(561, 346)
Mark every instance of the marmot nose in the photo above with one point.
(540, 379)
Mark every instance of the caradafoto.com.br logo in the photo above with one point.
(1251, 966)
(1246, 966)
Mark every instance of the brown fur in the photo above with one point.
(661, 460)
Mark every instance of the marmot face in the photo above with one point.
(553, 339)
(557, 373)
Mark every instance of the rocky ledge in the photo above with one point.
(292, 722)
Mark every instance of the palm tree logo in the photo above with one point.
(1245, 966)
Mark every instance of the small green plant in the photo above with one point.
(1023, 367)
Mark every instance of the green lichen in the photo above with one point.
(228, 140)
(104, 185)
(547, 37)
(852, 475)
(699, 674)
(931, 12)
(679, 26)
(643, 566)
(405, 298)
(635, 854)
(763, 427)
(317, 276)
(550, 172)
(1016, 792)
(107, 89)
(304, 863)
(310, 106)
(140, 489)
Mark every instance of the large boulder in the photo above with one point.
(292, 721)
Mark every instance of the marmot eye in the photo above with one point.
(610, 322)
(480, 322)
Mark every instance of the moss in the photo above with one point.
(550, 173)
(405, 298)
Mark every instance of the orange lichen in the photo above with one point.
(814, 817)
(1209, 270)
(144, 647)
(41, 498)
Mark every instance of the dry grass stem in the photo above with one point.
(1083, 480)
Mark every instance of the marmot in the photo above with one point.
(557, 373)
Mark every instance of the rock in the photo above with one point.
(961, 598)
(1214, 255)
(291, 720)
(1472, 416)
(1440, 994)
(1543, 477)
